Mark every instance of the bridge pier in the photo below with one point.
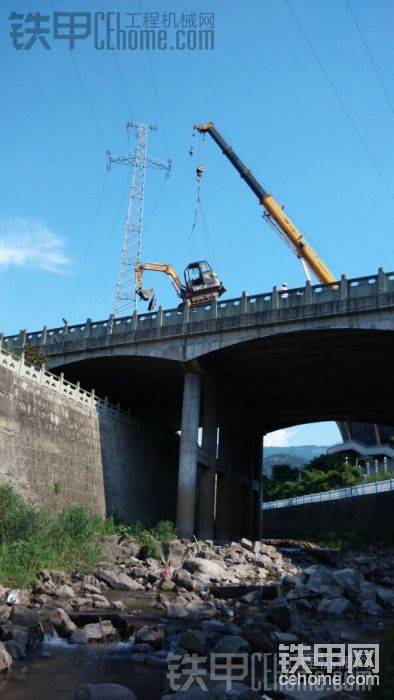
(206, 499)
(187, 475)
(237, 500)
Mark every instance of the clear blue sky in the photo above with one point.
(268, 95)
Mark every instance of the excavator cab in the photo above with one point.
(201, 283)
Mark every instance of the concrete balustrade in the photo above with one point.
(173, 321)
(59, 384)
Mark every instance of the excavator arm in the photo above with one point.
(156, 267)
(274, 211)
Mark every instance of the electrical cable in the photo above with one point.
(155, 205)
(120, 74)
(341, 102)
(85, 92)
(371, 58)
(92, 228)
(156, 91)
(88, 101)
(112, 230)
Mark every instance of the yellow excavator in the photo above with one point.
(201, 286)
(274, 213)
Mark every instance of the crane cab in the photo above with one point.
(202, 284)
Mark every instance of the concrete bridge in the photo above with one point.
(237, 368)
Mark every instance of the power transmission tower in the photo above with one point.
(125, 298)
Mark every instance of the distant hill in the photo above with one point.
(295, 456)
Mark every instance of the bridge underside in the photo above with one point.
(246, 390)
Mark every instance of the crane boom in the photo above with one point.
(273, 209)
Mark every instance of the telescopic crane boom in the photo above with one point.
(274, 211)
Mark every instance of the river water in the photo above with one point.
(57, 668)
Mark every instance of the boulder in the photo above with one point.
(5, 658)
(320, 579)
(153, 635)
(79, 637)
(385, 596)
(194, 641)
(120, 582)
(5, 612)
(128, 584)
(65, 591)
(104, 691)
(281, 615)
(17, 597)
(333, 606)
(231, 645)
(58, 577)
(167, 585)
(369, 607)
(88, 588)
(183, 578)
(206, 566)
(247, 544)
(349, 579)
(61, 622)
(98, 631)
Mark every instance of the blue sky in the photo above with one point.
(268, 95)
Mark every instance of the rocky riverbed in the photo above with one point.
(196, 598)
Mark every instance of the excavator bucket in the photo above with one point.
(145, 294)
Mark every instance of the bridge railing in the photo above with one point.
(40, 375)
(348, 492)
(162, 320)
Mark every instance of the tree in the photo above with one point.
(284, 472)
(325, 463)
(34, 356)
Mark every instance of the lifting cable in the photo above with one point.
(199, 173)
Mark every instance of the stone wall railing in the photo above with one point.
(74, 392)
(168, 321)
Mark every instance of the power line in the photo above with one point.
(85, 92)
(156, 91)
(371, 58)
(341, 102)
(155, 205)
(87, 249)
(88, 100)
(120, 74)
(109, 240)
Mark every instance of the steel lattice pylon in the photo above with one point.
(125, 297)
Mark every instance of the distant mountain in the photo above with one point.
(295, 456)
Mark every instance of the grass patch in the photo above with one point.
(163, 531)
(32, 539)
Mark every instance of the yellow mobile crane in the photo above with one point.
(202, 285)
(274, 213)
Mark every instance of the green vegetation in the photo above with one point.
(323, 473)
(380, 476)
(34, 356)
(33, 538)
(163, 531)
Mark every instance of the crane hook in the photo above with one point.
(199, 171)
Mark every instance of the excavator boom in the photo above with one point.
(273, 209)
